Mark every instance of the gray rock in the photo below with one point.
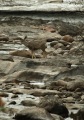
(57, 117)
(33, 113)
(28, 103)
(75, 84)
(40, 5)
(66, 28)
(52, 105)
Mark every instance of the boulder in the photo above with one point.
(69, 100)
(52, 105)
(56, 84)
(66, 28)
(6, 58)
(57, 117)
(68, 38)
(25, 75)
(28, 103)
(22, 53)
(75, 85)
(33, 113)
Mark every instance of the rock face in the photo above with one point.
(40, 5)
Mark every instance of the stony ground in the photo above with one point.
(57, 80)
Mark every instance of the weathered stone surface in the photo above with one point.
(2, 94)
(68, 99)
(4, 37)
(74, 71)
(34, 92)
(52, 105)
(40, 5)
(56, 84)
(1, 118)
(3, 115)
(76, 84)
(22, 53)
(33, 113)
(6, 58)
(28, 103)
(5, 66)
(57, 117)
(79, 115)
(67, 28)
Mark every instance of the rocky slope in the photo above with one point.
(52, 86)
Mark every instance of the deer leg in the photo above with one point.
(44, 54)
(33, 55)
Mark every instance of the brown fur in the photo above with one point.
(35, 45)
